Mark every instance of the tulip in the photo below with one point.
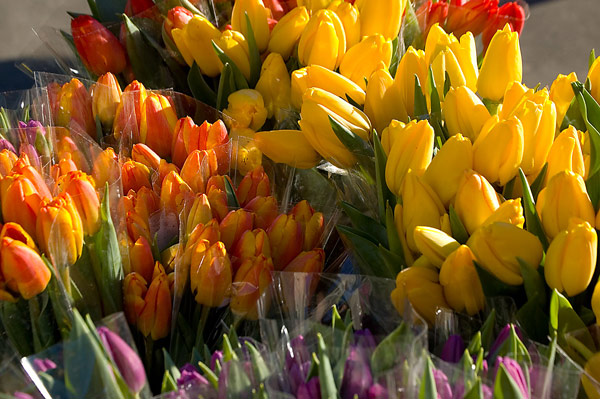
(144, 202)
(448, 166)
(157, 124)
(390, 133)
(194, 42)
(434, 244)
(125, 358)
(501, 66)
(469, 15)
(318, 105)
(59, 229)
(80, 188)
(475, 200)
(190, 377)
(135, 176)
(247, 109)
(252, 243)
(431, 13)
(177, 18)
(22, 269)
(509, 211)
(376, 108)
(105, 168)
(197, 169)
(258, 15)
(16, 232)
(402, 91)
(20, 202)
(357, 377)
(98, 48)
(420, 207)
(511, 14)
(134, 290)
(287, 32)
(75, 108)
(437, 40)
(453, 349)
(564, 197)
(420, 286)
(174, 192)
(498, 151)
(515, 373)
(154, 319)
(137, 226)
(591, 376)
(566, 154)
(361, 60)
(199, 213)
(247, 156)
(312, 261)
(561, 94)
(234, 225)
(64, 166)
(254, 184)
(323, 41)
(106, 96)
(464, 112)
(412, 150)
(459, 278)
(274, 86)
(264, 210)
(349, 15)
(310, 389)
(234, 45)
(311, 222)
(384, 18)
(571, 258)
(143, 154)
(7, 160)
(129, 112)
(286, 238)
(497, 247)
(210, 275)
(218, 202)
(203, 234)
(287, 146)
(22, 167)
(459, 61)
(141, 258)
(594, 77)
(251, 280)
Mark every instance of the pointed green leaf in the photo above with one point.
(232, 199)
(228, 352)
(170, 366)
(590, 111)
(459, 232)
(370, 260)
(395, 57)
(533, 282)
(532, 220)
(538, 183)
(384, 195)
(354, 103)
(336, 320)
(573, 117)
(326, 380)
(238, 76)
(259, 366)
(200, 89)
(226, 87)
(592, 184)
(505, 387)
(351, 141)
(388, 353)
(394, 262)
(475, 343)
(395, 244)
(209, 375)
(420, 101)
(487, 330)
(428, 390)
(168, 383)
(592, 58)
(476, 391)
(255, 62)
(371, 227)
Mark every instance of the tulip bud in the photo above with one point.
(218, 202)
(287, 146)
(64, 166)
(564, 197)
(135, 176)
(594, 77)
(210, 275)
(458, 61)
(134, 291)
(311, 222)
(402, 91)
(24, 168)
(561, 94)
(157, 124)
(498, 151)
(497, 247)
(22, 269)
(200, 213)
(106, 96)
(194, 42)
(265, 211)
(203, 234)
(177, 18)
(143, 154)
(361, 60)
(141, 258)
(16, 232)
(323, 41)
(234, 225)
(155, 317)
(326, 79)
(252, 243)
(384, 18)
(431, 13)
(434, 244)
(287, 32)
(129, 112)
(311, 261)
(106, 168)
(7, 160)
(377, 109)
(198, 167)
(349, 15)
(412, 150)
(509, 211)
(234, 45)
(420, 286)
(464, 112)
(81, 189)
(318, 105)
(75, 108)
(287, 240)
(511, 14)
(475, 200)
(357, 377)
(254, 184)
(274, 86)
(98, 48)
(448, 167)
(566, 154)
(20, 202)
(501, 66)
(472, 15)
(251, 280)
(174, 192)
(459, 278)
(247, 109)
(146, 202)
(258, 15)
(137, 226)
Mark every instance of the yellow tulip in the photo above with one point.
(592, 368)
(420, 207)
(317, 106)
(434, 244)
(361, 60)
(448, 167)
(566, 154)
(498, 150)
(274, 86)
(412, 150)
(464, 112)
(234, 44)
(287, 146)
(390, 134)
(313, 5)
(475, 200)
(258, 15)
(402, 91)
(460, 281)
(561, 94)
(501, 66)
(382, 17)
(377, 109)
(197, 36)
(571, 258)
(106, 96)
(564, 197)
(287, 32)
(594, 77)
(247, 109)
(323, 41)
(497, 247)
(349, 16)
(509, 211)
(326, 79)
(466, 53)
(437, 40)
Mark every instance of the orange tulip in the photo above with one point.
(64, 166)
(143, 154)
(210, 275)
(129, 112)
(312, 223)
(158, 119)
(106, 168)
(173, 192)
(134, 291)
(135, 176)
(234, 225)
(22, 268)
(265, 211)
(141, 258)
(251, 281)
(81, 189)
(7, 160)
(75, 108)
(23, 167)
(137, 226)
(207, 233)
(198, 167)
(106, 96)
(254, 184)
(20, 202)
(251, 243)
(311, 261)
(287, 240)
(16, 232)
(155, 317)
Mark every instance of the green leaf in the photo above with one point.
(487, 330)
(492, 286)
(476, 391)
(313, 370)
(327, 382)
(428, 389)
(168, 383)
(15, 320)
(389, 351)
(514, 348)
(351, 141)
(109, 11)
(238, 382)
(475, 343)
(94, 9)
(507, 191)
(538, 183)
(563, 319)
(232, 199)
(209, 375)
(533, 319)
(535, 286)
(459, 232)
(592, 184)
(238, 76)
(255, 62)
(592, 58)
(228, 352)
(532, 220)
(259, 366)
(590, 111)
(371, 227)
(395, 244)
(384, 195)
(573, 117)
(352, 102)
(447, 83)
(226, 86)
(170, 366)
(200, 89)
(336, 320)
(370, 260)
(396, 56)
(420, 102)
(505, 386)
(394, 262)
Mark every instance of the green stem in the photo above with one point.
(65, 275)
(201, 325)
(579, 347)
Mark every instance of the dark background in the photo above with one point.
(557, 37)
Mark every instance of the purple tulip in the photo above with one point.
(43, 365)
(297, 375)
(22, 395)
(190, 376)
(6, 145)
(32, 154)
(442, 385)
(365, 340)
(31, 129)
(515, 371)
(357, 375)
(296, 351)
(453, 349)
(216, 356)
(377, 391)
(126, 359)
(310, 390)
(503, 336)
